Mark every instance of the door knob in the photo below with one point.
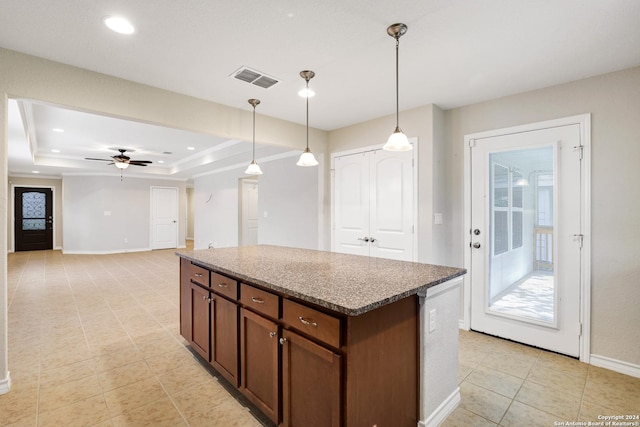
(476, 231)
(364, 239)
(476, 245)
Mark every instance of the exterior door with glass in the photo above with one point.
(33, 219)
(526, 237)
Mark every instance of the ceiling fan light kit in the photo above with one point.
(122, 161)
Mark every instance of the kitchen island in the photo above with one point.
(316, 338)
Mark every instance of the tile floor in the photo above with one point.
(94, 341)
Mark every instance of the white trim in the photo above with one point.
(109, 252)
(616, 365)
(12, 214)
(128, 176)
(416, 230)
(445, 409)
(584, 122)
(5, 384)
(267, 159)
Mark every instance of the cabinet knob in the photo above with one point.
(204, 297)
(273, 334)
(283, 341)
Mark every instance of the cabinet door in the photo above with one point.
(259, 362)
(224, 338)
(185, 299)
(200, 320)
(310, 383)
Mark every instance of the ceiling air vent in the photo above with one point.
(254, 77)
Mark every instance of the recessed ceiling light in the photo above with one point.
(306, 93)
(191, 148)
(35, 171)
(53, 150)
(58, 130)
(160, 161)
(118, 24)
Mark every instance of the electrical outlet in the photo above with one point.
(432, 320)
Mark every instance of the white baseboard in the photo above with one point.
(5, 384)
(445, 409)
(461, 325)
(114, 251)
(615, 365)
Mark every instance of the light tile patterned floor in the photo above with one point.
(94, 341)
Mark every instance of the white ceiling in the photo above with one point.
(456, 52)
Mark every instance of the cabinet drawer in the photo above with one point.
(199, 275)
(312, 322)
(259, 300)
(224, 285)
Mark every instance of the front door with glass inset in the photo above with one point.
(525, 252)
(33, 219)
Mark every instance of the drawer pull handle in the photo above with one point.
(283, 341)
(257, 300)
(222, 285)
(197, 274)
(306, 322)
(273, 334)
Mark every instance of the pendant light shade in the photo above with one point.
(307, 158)
(253, 168)
(398, 141)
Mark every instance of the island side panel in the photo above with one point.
(382, 366)
(185, 299)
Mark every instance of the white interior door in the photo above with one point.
(164, 217)
(249, 212)
(373, 204)
(351, 204)
(391, 204)
(526, 237)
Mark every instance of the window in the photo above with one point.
(507, 209)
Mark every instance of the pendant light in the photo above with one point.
(253, 168)
(307, 158)
(398, 140)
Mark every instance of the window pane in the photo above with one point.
(33, 205)
(517, 230)
(501, 232)
(516, 189)
(33, 224)
(500, 186)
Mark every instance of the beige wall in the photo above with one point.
(56, 184)
(614, 103)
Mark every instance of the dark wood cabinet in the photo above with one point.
(259, 362)
(310, 383)
(200, 335)
(224, 338)
(300, 364)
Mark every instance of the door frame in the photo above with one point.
(584, 122)
(413, 141)
(152, 217)
(13, 214)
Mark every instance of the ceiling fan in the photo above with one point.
(122, 161)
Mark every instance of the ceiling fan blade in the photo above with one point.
(140, 162)
(102, 160)
(137, 164)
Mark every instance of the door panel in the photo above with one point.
(33, 219)
(249, 212)
(525, 257)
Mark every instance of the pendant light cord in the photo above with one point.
(397, 85)
(307, 113)
(254, 133)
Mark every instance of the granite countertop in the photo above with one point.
(348, 284)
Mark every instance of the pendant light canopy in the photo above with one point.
(398, 140)
(253, 168)
(307, 158)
